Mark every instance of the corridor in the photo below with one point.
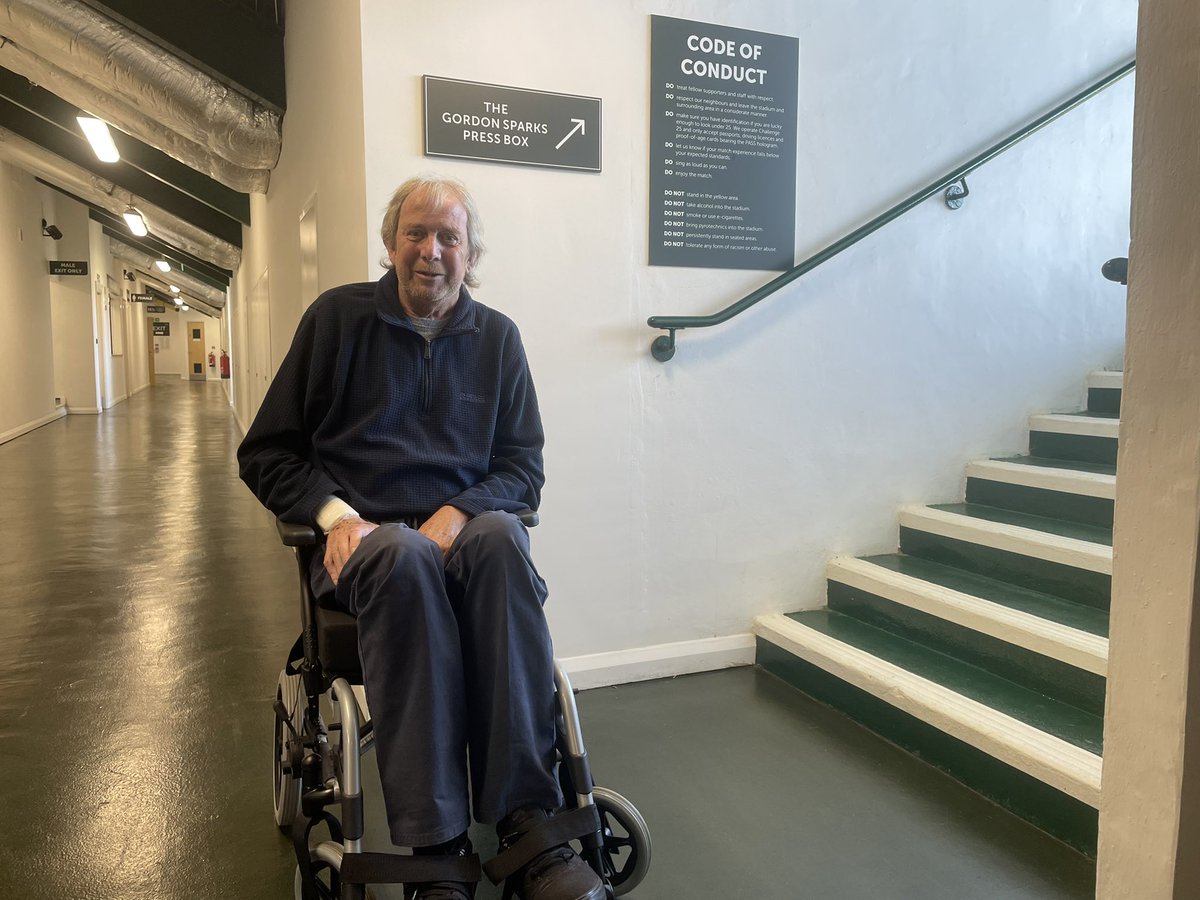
(147, 608)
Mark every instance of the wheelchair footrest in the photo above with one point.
(553, 832)
(391, 868)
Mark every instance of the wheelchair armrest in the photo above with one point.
(305, 536)
(295, 535)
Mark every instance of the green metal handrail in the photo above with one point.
(663, 346)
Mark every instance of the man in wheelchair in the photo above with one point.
(403, 424)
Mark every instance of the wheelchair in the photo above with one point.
(317, 771)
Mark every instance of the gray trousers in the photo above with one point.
(458, 666)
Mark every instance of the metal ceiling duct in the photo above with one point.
(106, 195)
(196, 288)
(101, 66)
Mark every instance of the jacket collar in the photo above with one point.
(388, 308)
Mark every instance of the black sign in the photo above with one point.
(156, 309)
(470, 120)
(162, 328)
(140, 298)
(68, 267)
(722, 146)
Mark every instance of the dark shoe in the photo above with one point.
(554, 874)
(442, 890)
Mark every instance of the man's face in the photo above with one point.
(431, 253)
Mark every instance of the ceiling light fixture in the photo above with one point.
(178, 302)
(100, 138)
(184, 308)
(174, 290)
(163, 265)
(133, 218)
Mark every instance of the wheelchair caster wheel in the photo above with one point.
(626, 851)
(286, 787)
(328, 886)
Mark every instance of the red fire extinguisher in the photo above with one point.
(212, 359)
(224, 364)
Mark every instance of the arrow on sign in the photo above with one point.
(578, 127)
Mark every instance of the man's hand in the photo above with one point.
(342, 541)
(444, 525)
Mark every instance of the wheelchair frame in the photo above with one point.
(311, 775)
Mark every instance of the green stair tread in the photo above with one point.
(1051, 716)
(1068, 464)
(1063, 528)
(1044, 606)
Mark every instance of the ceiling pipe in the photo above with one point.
(114, 73)
(182, 280)
(103, 193)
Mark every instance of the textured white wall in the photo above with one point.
(74, 325)
(684, 499)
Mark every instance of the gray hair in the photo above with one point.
(438, 188)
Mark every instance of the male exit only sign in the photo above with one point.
(470, 120)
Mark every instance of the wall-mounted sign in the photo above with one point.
(162, 328)
(722, 146)
(68, 267)
(470, 120)
(140, 298)
(156, 309)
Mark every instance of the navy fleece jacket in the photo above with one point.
(365, 409)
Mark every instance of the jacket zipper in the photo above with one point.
(427, 380)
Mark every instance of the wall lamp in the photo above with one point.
(133, 219)
(51, 231)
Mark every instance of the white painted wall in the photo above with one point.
(323, 156)
(684, 499)
(112, 368)
(26, 360)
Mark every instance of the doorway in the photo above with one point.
(196, 351)
(151, 350)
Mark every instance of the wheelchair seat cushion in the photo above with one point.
(337, 642)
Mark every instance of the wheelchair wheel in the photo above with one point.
(290, 692)
(626, 852)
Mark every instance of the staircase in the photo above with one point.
(982, 646)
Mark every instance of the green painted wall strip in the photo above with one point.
(1033, 671)
(1067, 582)
(1041, 502)
(1063, 816)
(1045, 606)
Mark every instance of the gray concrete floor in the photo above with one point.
(145, 613)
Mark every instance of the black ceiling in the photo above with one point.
(239, 42)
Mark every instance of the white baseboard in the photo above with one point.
(138, 390)
(83, 410)
(659, 661)
(117, 400)
(30, 426)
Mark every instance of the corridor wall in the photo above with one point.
(26, 346)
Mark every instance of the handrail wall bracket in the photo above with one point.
(956, 194)
(662, 347)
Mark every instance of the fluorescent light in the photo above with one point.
(137, 225)
(178, 302)
(174, 289)
(163, 265)
(99, 137)
(183, 308)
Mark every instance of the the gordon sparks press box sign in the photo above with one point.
(722, 146)
(470, 120)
